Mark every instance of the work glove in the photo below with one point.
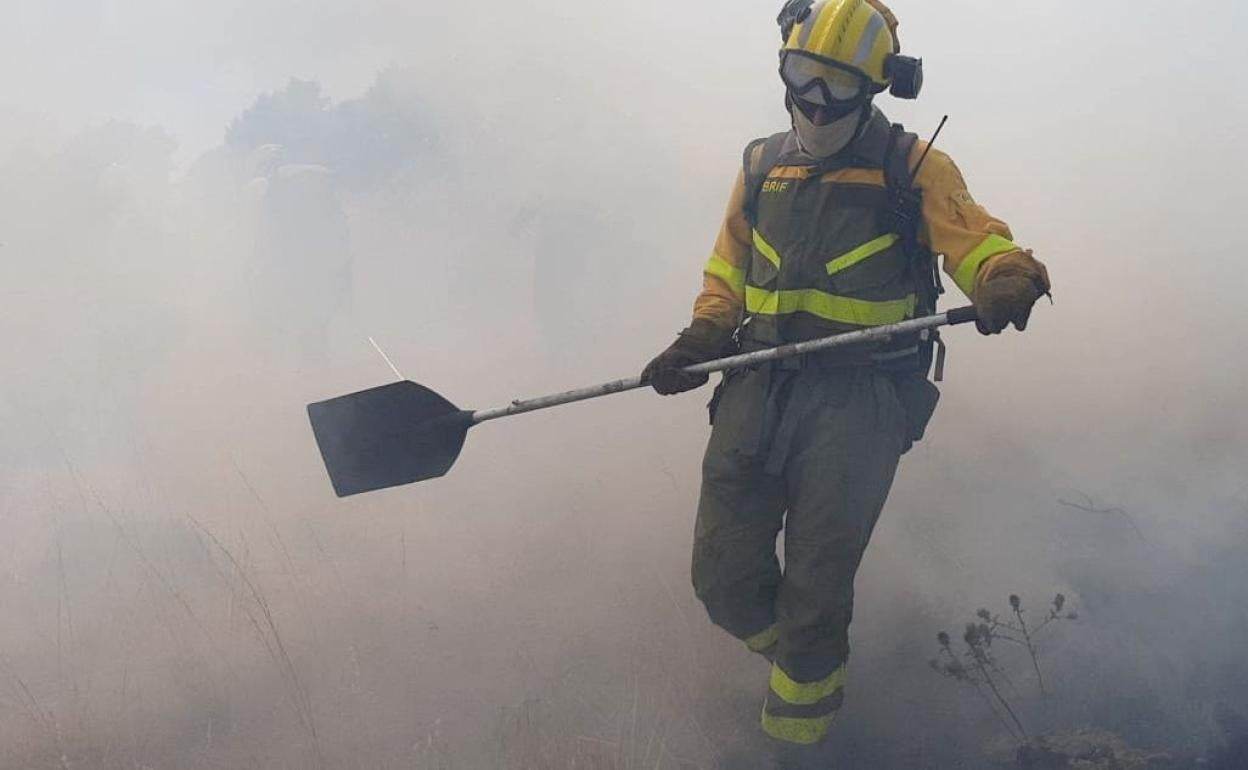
(1007, 294)
(702, 341)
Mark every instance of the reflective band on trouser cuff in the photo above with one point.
(721, 269)
(797, 729)
(766, 250)
(763, 639)
(868, 249)
(805, 693)
(799, 712)
(991, 246)
(830, 307)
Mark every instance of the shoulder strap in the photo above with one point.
(906, 203)
(898, 175)
(756, 172)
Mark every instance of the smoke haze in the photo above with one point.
(207, 209)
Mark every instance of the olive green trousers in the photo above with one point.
(811, 452)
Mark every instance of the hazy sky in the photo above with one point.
(1106, 133)
(191, 66)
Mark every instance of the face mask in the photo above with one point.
(825, 141)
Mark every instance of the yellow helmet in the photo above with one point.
(849, 45)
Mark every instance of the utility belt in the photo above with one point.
(917, 394)
(908, 354)
(904, 354)
(837, 358)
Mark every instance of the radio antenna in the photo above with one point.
(928, 148)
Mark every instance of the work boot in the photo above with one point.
(790, 756)
(765, 753)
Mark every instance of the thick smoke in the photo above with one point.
(205, 215)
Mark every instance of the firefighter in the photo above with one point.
(832, 226)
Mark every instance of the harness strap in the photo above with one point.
(756, 173)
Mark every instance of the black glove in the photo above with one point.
(1007, 296)
(702, 341)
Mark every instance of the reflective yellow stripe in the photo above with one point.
(868, 249)
(766, 250)
(819, 28)
(991, 246)
(795, 172)
(762, 640)
(721, 269)
(868, 38)
(794, 730)
(859, 312)
(808, 693)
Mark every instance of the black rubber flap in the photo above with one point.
(388, 436)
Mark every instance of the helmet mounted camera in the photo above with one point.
(905, 74)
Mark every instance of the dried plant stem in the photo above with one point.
(983, 670)
(996, 711)
(30, 704)
(1031, 649)
(299, 696)
(1089, 507)
(152, 575)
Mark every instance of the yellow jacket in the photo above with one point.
(973, 243)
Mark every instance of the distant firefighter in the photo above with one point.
(301, 278)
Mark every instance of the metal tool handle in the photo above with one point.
(875, 334)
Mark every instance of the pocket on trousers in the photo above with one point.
(918, 397)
